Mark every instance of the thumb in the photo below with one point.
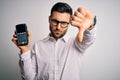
(80, 35)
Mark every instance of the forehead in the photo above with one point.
(61, 16)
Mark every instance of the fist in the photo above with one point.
(82, 19)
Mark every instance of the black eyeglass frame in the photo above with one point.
(55, 22)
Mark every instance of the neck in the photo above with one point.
(53, 37)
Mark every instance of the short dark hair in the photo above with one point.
(62, 8)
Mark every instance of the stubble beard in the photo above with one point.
(53, 34)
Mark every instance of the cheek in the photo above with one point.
(64, 31)
(53, 28)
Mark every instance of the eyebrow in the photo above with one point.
(59, 21)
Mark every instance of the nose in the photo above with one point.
(58, 26)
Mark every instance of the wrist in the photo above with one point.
(91, 27)
(93, 24)
(24, 50)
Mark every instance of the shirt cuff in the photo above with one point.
(25, 56)
(93, 31)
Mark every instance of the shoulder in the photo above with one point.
(39, 42)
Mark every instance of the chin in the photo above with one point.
(59, 36)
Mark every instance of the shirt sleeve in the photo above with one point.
(28, 65)
(88, 39)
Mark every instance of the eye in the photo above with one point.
(64, 23)
(54, 21)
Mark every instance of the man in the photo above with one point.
(57, 57)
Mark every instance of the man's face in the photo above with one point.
(59, 23)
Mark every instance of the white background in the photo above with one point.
(100, 62)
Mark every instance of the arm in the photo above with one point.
(88, 39)
(27, 60)
(84, 20)
(28, 66)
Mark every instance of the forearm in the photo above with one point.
(84, 35)
(88, 39)
(28, 69)
(89, 36)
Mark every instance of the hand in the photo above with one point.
(82, 19)
(22, 48)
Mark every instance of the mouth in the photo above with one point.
(58, 32)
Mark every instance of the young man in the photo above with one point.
(57, 57)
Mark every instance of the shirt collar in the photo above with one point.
(66, 37)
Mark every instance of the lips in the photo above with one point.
(57, 32)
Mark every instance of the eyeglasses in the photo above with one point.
(55, 22)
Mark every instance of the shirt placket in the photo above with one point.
(56, 66)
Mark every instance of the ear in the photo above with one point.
(70, 24)
(49, 19)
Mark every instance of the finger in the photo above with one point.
(14, 31)
(80, 36)
(75, 18)
(75, 23)
(15, 36)
(78, 14)
(14, 40)
(29, 35)
(82, 11)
